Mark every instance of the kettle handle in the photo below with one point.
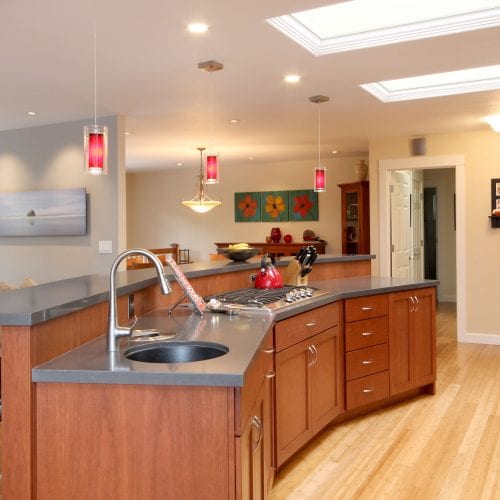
(263, 264)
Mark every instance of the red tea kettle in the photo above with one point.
(268, 276)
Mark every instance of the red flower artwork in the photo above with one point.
(302, 205)
(248, 206)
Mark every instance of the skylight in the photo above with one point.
(438, 84)
(358, 24)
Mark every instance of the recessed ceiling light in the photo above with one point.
(334, 152)
(197, 27)
(251, 158)
(292, 78)
(128, 133)
(494, 122)
(234, 120)
(32, 113)
(437, 84)
(179, 164)
(359, 24)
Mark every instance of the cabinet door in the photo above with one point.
(412, 339)
(251, 454)
(424, 337)
(293, 425)
(326, 378)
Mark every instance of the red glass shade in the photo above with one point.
(95, 138)
(319, 179)
(212, 175)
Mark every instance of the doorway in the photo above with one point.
(386, 167)
(430, 233)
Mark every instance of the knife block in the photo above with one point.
(291, 275)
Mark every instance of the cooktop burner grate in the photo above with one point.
(258, 297)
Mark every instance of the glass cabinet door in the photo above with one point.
(352, 222)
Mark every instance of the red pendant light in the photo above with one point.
(95, 137)
(212, 176)
(212, 165)
(319, 171)
(96, 149)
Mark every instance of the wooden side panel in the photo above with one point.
(132, 442)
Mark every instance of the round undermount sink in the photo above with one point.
(176, 352)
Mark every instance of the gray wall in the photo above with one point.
(51, 157)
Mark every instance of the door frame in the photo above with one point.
(456, 161)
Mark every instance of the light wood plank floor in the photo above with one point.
(445, 446)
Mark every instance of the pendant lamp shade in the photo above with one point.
(320, 179)
(95, 137)
(319, 171)
(212, 176)
(96, 149)
(201, 202)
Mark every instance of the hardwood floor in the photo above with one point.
(445, 446)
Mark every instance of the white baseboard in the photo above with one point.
(447, 298)
(480, 338)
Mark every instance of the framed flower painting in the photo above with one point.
(303, 205)
(274, 206)
(247, 207)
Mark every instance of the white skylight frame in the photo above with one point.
(437, 84)
(307, 28)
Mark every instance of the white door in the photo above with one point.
(400, 224)
(417, 223)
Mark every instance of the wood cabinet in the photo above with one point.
(355, 215)
(309, 377)
(367, 349)
(255, 427)
(412, 338)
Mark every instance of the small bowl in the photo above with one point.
(239, 255)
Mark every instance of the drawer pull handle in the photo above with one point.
(366, 308)
(311, 323)
(367, 334)
(270, 374)
(268, 350)
(367, 362)
(371, 389)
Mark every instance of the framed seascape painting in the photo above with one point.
(303, 205)
(57, 212)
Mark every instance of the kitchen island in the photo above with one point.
(59, 317)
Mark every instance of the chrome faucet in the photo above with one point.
(114, 330)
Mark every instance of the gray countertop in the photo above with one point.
(30, 306)
(242, 334)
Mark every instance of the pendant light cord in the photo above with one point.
(319, 135)
(211, 113)
(95, 73)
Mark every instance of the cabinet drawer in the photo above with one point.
(365, 333)
(370, 306)
(367, 361)
(293, 330)
(366, 390)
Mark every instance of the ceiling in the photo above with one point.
(147, 71)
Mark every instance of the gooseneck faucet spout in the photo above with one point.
(114, 330)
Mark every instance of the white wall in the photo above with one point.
(156, 218)
(444, 182)
(481, 271)
(51, 157)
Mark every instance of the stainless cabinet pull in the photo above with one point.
(315, 354)
(268, 350)
(417, 304)
(367, 362)
(311, 362)
(256, 422)
(367, 334)
(366, 308)
(311, 323)
(371, 389)
(270, 374)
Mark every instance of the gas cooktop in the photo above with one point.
(268, 299)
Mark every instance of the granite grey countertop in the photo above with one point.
(242, 334)
(30, 306)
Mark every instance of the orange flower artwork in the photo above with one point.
(275, 206)
(302, 205)
(247, 207)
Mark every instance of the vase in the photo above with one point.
(361, 170)
(275, 234)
